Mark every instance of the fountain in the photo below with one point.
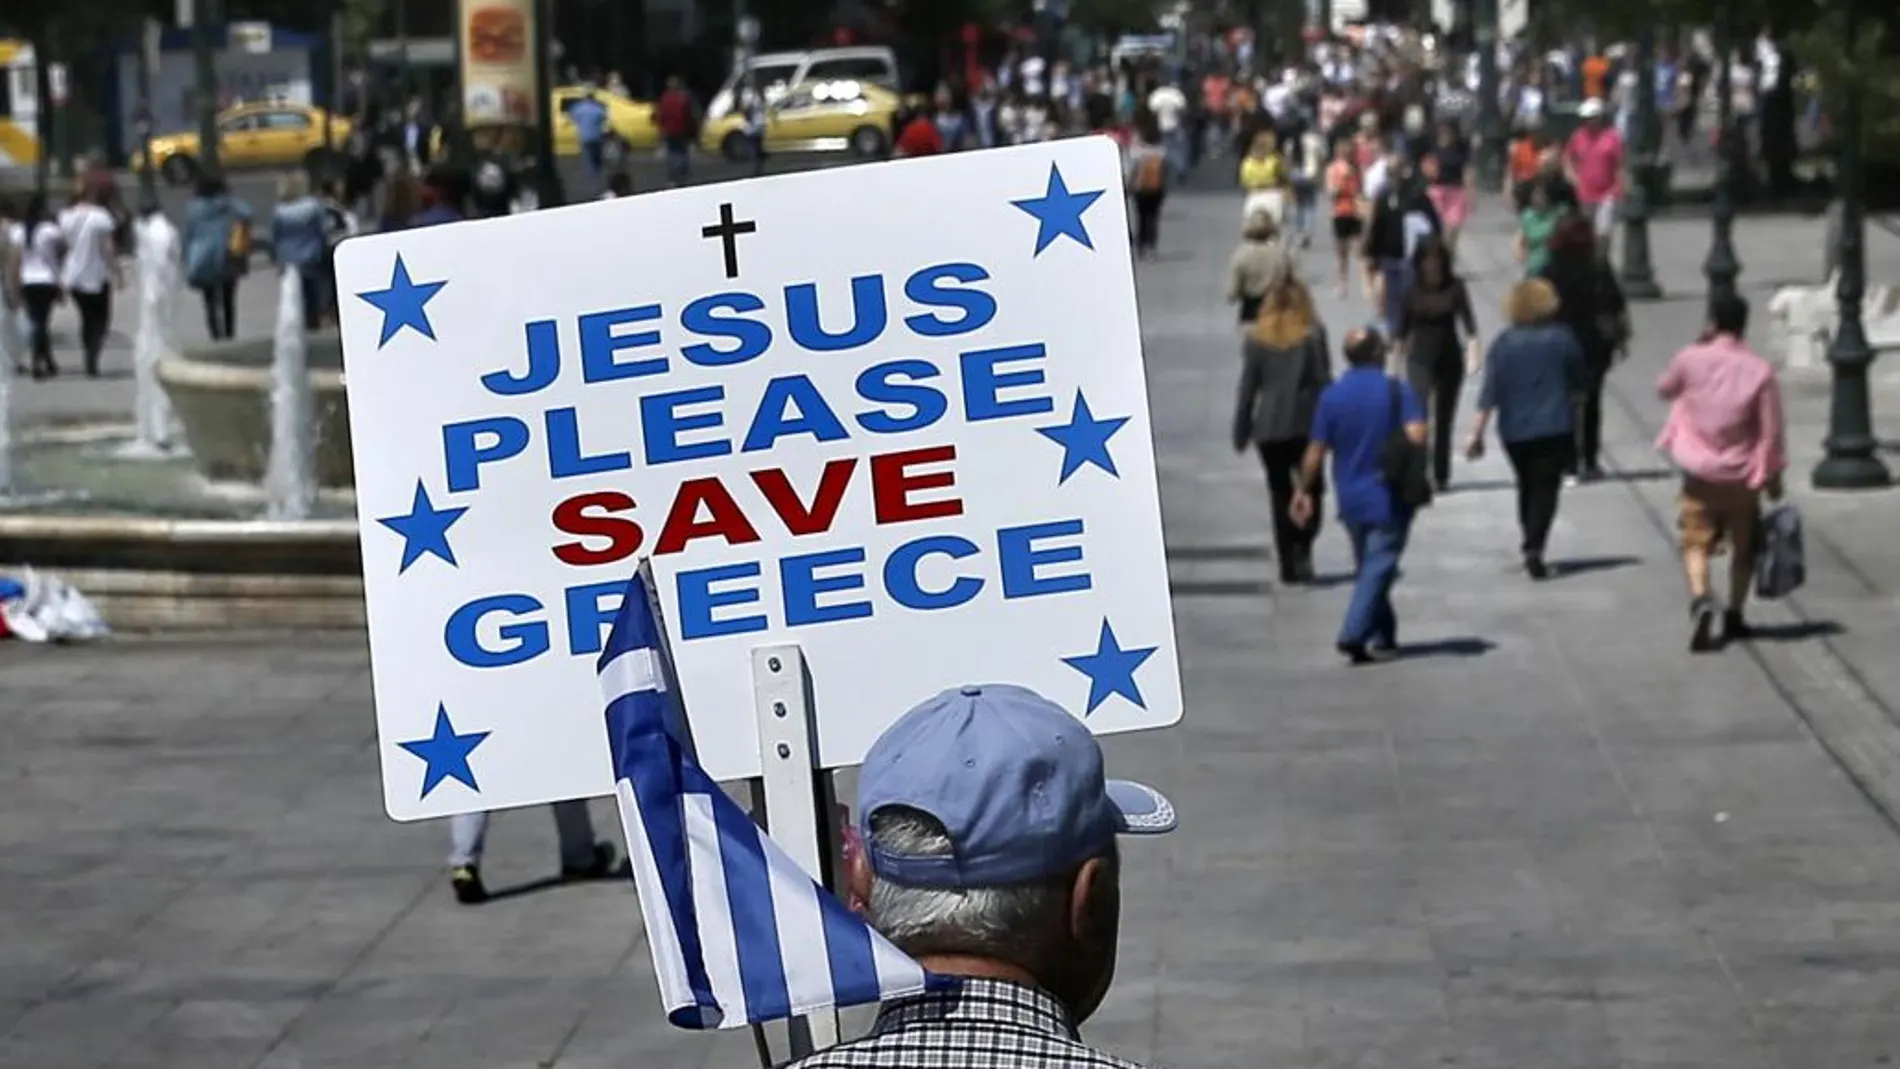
(289, 480)
(157, 336)
(247, 521)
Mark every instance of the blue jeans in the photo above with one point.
(1175, 144)
(1376, 548)
(1398, 280)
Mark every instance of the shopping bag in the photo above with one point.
(1780, 561)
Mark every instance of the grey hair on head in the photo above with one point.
(1021, 923)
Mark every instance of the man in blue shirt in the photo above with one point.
(1356, 417)
(589, 116)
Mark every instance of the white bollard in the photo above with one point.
(156, 338)
(290, 486)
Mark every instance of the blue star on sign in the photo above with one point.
(1059, 212)
(1111, 669)
(424, 530)
(445, 754)
(402, 304)
(1084, 439)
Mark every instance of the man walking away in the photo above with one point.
(1358, 417)
(990, 857)
(589, 116)
(677, 119)
(1725, 433)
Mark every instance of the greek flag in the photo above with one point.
(740, 933)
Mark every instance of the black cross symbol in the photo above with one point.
(728, 231)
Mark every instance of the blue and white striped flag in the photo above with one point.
(740, 933)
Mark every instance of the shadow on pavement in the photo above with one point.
(1220, 588)
(1217, 553)
(1480, 486)
(1564, 569)
(620, 873)
(1641, 475)
(1794, 632)
(1462, 646)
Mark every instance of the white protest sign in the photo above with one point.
(893, 413)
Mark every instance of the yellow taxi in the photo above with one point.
(826, 116)
(251, 135)
(631, 124)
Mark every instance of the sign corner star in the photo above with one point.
(445, 753)
(1111, 669)
(404, 303)
(1058, 211)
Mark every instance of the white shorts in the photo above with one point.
(1603, 217)
(1271, 201)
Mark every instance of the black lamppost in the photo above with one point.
(1722, 267)
(1850, 463)
(1490, 118)
(204, 20)
(548, 190)
(1639, 276)
(142, 117)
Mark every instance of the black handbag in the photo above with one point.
(1404, 463)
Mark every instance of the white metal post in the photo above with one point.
(795, 791)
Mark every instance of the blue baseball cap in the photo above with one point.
(1015, 779)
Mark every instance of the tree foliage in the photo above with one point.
(1846, 43)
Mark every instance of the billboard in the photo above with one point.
(496, 42)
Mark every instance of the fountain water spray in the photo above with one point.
(157, 336)
(290, 484)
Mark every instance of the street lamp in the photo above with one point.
(204, 19)
(1722, 267)
(548, 190)
(1639, 276)
(149, 31)
(1850, 463)
(1490, 117)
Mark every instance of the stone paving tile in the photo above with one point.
(1558, 842)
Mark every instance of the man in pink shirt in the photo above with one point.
(1725, 433)
(1593, 161)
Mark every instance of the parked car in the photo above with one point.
(835, 116)
(252, 135)
(774, 73)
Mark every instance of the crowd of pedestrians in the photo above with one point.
(1391, 145)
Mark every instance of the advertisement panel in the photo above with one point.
(496, 38)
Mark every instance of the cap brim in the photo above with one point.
(1140, 809)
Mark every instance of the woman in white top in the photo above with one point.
(41, 249)
(91, 270)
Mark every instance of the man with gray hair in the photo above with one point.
(989, 855)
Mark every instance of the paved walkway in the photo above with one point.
(1549, 839)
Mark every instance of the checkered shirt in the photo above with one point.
(979, 1024)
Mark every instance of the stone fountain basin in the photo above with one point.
(147, 573)
(162, 543)
(221, 395)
